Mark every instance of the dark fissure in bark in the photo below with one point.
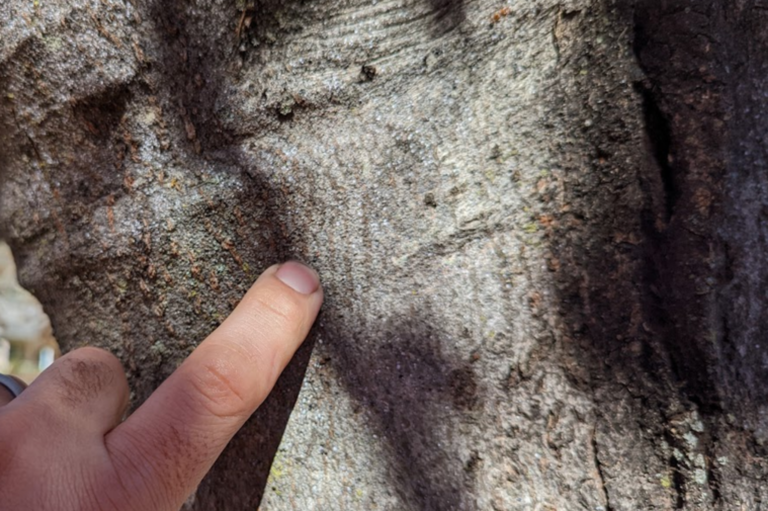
(686, 153)
(658, 131)
(671, 276)
(697, 273)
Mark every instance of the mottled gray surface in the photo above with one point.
(472, 179)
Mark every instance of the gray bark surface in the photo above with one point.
(540, 228)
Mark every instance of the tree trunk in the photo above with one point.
(540, 227)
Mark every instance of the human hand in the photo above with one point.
(63, 446)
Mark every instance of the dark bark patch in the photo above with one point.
(404, 385)
(658, 132)
(448, 14)
(191, 71)
(101, 114)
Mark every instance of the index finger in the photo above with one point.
(166, 447)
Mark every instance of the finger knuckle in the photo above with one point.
(284, 309)
(83, 379)
(219, 391)
(133, 465)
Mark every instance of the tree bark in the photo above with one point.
(540, 227)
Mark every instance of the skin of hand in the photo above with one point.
(63, 446)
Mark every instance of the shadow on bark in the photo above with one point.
(405, 386)
(402, 386)
(192, 83)
(448, 15)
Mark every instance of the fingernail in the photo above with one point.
(299, 277)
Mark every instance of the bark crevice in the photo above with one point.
(601, 475)
(658, 133)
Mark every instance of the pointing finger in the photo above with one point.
(174, 438)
